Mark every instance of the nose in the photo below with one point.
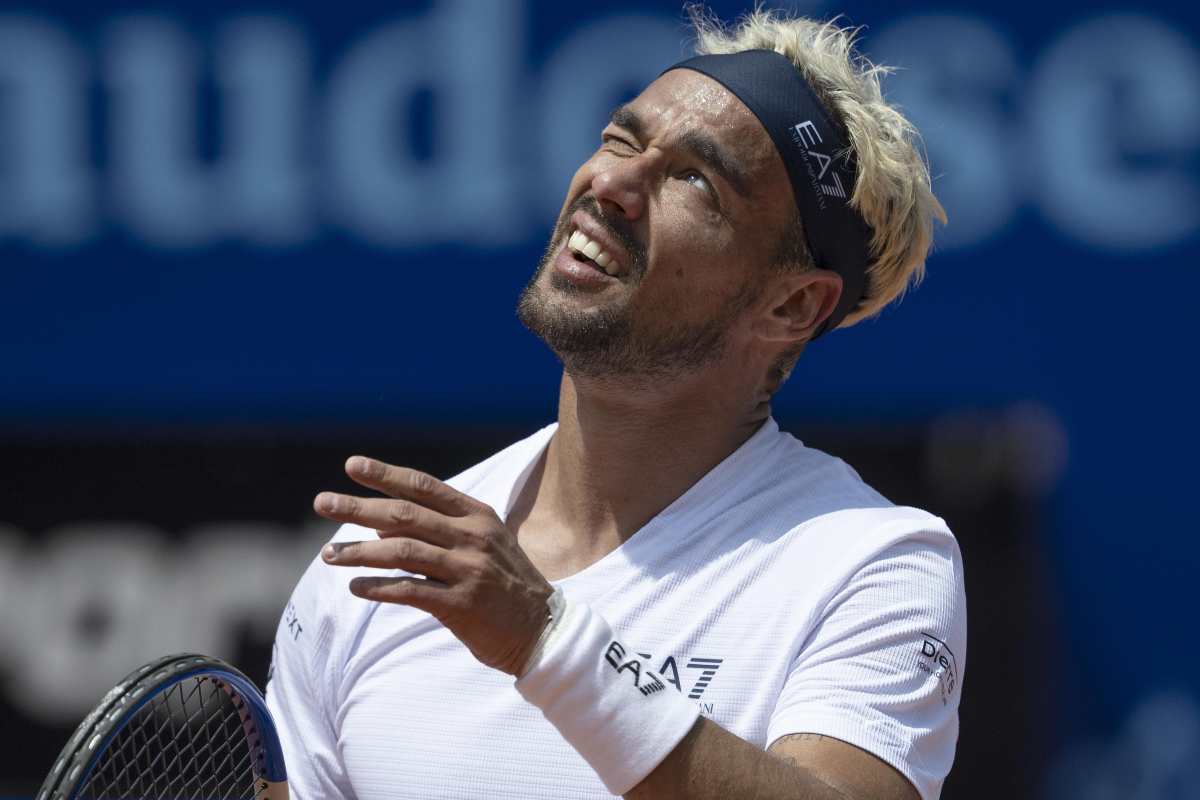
(623, 184)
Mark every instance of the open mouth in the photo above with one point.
(587, 251)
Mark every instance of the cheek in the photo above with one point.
(689, 245)
(690, 286)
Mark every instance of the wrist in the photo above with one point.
(623, 718)
(555, 607)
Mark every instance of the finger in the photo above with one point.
(410, 484)
(387, 515)
(427, 595)
(410, 555)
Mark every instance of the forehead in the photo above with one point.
(683, 100)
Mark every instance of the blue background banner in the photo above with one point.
(222, 216)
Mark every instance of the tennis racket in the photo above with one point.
(184, 727)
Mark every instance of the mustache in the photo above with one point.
(615, 224)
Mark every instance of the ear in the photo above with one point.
(799, 304)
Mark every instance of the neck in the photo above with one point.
(622, 454)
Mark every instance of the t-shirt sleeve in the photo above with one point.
(882, 668)
(301, 690)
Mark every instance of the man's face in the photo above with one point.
(686, 201)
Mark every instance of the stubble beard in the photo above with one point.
(619, 340)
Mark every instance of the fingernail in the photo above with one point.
(330, 552)
(327, 501)
(359, 465)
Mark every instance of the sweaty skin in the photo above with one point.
(634, 432)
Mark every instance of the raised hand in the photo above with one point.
(477, 580)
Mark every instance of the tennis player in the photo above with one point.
(663, 595)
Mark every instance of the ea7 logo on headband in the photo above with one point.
(806, 136)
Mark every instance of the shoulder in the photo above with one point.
(858, 535)
(831, 524)
(798, 490)
(906, 558)
(823, 483)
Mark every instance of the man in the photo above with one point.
(661, 596)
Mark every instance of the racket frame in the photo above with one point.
(79, 757)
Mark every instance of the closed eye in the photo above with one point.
(614, 142)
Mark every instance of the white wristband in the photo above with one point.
(620, 716)
(556, 604)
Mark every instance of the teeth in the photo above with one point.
(581, 244)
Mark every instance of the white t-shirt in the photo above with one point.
(780, 593)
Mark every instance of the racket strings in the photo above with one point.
(189, 742)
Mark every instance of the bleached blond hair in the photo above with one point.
(892, 192)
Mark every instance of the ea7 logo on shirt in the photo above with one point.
(937, 659)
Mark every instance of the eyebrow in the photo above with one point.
(625, 117)
(696, 143)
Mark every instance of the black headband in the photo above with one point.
(818, 159)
